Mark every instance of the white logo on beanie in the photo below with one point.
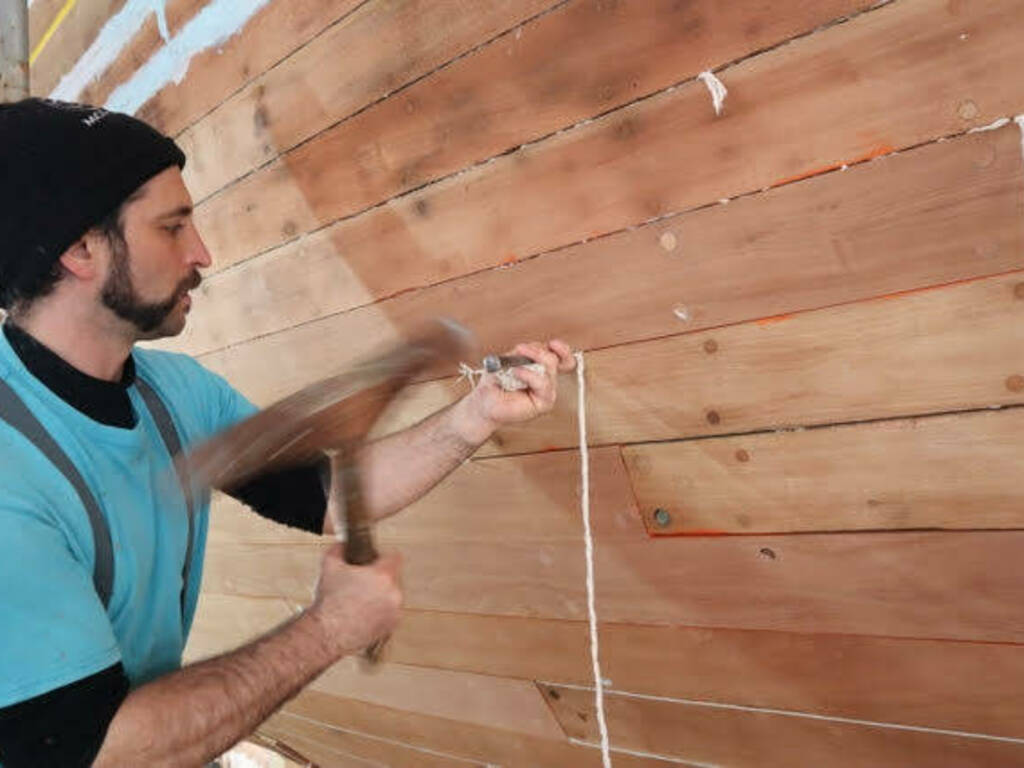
(92, 114)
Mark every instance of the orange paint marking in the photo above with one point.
(774, 319)
(693, 532)
(510, 259)
(878, 151)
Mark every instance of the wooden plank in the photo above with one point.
(385, 45)
(273, 33)
(69, 41)
(581, 59)
(829, 674)
(41, 14)
(933, 351)
(223, 623)
(507, 704)
(328, 745)
(943, 472)
(721, 736)
(824, 100)
(922, 585)
(826, 241)
(457, 738)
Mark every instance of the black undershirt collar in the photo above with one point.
(104, 401)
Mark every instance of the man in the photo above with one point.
(98, 250)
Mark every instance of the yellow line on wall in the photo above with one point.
(61, 15)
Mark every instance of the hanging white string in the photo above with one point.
(581, 412)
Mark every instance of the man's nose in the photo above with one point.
(198, 255)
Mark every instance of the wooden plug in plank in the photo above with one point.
(942, 472)
(800, 109)
(722, 736)
(488, 745)
(385, 45)
(825, 241)
(582, 59)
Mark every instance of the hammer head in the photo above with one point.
(338, 411)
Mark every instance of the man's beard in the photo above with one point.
(119, 294)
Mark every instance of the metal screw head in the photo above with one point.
(661, 517)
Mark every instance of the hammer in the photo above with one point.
(332, 416)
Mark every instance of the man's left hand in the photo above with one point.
(489, 407)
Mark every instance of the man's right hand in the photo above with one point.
(356, 605)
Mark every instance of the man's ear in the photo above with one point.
(81, 259)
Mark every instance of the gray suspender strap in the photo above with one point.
(17, 414)
(165, 424)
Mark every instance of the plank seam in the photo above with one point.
(565, 246)
(383, 739)
(640, 753)
(778, 429)
(807, 715)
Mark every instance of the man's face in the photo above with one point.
(157, 263)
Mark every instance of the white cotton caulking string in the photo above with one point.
(717, 89)
(581, 412)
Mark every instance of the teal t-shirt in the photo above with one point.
(54, 629)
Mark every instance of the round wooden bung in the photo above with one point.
(1015, 383)
(711, 346)
(712, 417)
(967, 110)
(742, 456)
(1018, 291)
(668, 241)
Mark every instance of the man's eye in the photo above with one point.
(175, 228)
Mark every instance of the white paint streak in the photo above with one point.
(717, 89)
(103, 52)
(647, 755)
(1019, 120)
(994, 125)
(211, 27)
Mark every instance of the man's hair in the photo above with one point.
(20, 298)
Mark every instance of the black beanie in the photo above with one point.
(63, 168)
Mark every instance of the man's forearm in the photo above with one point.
(187, 718)
(400, 468)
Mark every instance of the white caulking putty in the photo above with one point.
(116, 33)
(212, 26)
(991, 126)
(1019, 120)
(717, 89)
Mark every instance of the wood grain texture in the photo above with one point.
(946, 349)
(582, 59)
(824, 100)
(828, 674)
(924, 585)
(41, 14)
(878, 228)
(382, 46)
(455, 738)
(736, 738)
(507, 704)
(277, 30)
(943, 472)
(332, 746)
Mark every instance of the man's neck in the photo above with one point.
(89, 344)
